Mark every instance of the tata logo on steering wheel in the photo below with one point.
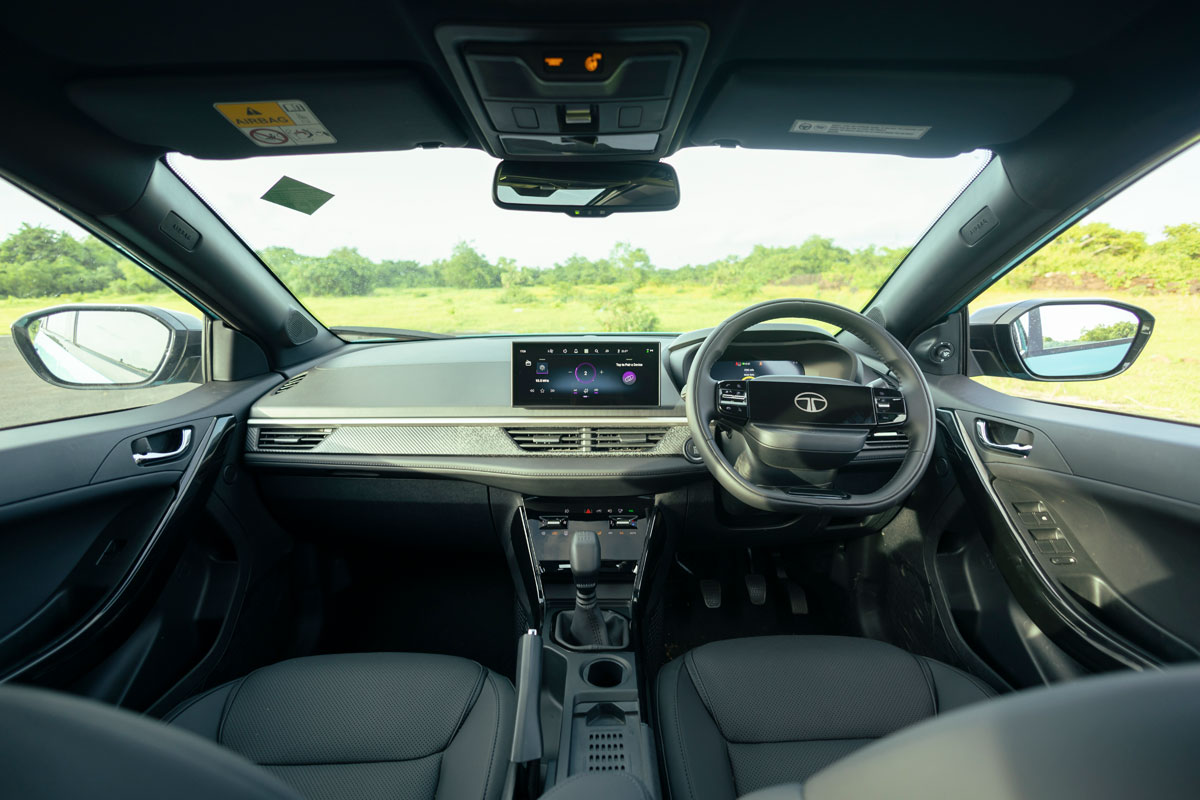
(811, 402)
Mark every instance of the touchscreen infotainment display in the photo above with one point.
(591, 374)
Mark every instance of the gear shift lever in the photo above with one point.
(585, 566)
(587, 623)
(587, 627)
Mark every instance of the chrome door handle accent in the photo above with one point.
(185, 441)
(981, 433)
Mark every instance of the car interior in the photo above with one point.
(800, 552)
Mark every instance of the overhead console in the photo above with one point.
(552, 93)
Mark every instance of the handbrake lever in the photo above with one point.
(527, 735)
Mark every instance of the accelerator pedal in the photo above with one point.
(797, 598)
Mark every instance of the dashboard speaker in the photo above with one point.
(298, 329)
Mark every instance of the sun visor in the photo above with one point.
(243, 116)
(917, 114)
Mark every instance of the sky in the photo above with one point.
(418, 204)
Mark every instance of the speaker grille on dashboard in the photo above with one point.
(299, 330)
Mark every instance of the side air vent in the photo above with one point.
(549, 440)
(291, 440)
(886, 440)
(586, 440)
(630, 440)
(289, 383)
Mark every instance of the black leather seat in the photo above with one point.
(739, 715)
(366, 725)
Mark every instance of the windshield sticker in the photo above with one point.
(277, 123)
(868, 129)
(296, 195)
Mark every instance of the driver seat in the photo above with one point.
(743, 714)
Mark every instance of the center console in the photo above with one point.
(579, 682)
(587, 557)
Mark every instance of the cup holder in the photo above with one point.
(604, 673)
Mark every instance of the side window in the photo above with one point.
(1143, 248)
(83, 330)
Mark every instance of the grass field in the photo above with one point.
(1165, 382)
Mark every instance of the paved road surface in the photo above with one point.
(26, 398)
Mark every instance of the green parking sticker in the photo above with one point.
(296, 195)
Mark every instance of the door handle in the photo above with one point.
(185, 441)
(985, 439)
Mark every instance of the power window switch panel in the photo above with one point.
(1046, 534)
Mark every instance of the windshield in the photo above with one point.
(412, 239)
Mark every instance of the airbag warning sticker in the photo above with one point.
(874, 131)
(277, 123)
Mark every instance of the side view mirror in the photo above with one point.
(1059, 340)
(110, 346)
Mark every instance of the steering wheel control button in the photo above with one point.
(889, 407)
(731, 398)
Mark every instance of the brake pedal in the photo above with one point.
(756, 587)
(711, 590)
(797, 598)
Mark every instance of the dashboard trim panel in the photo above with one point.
(465, 440)
(544, 420)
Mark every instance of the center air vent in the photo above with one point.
(586, 440)
(289, 383)
(291, 440)
(626, 439)
(549, 440)
(886, 440)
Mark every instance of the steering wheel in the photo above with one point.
(809, 424)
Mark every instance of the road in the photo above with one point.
(26, 398)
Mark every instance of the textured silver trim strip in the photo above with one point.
(443, 440)
(329, 422)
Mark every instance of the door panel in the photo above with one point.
(93, 541)
(1096, 527)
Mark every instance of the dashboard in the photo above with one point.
(535, 414)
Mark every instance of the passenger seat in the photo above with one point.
(366, 725)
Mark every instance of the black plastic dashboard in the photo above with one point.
(458, 408)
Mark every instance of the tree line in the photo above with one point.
(37, 261)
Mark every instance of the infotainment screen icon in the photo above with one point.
(572, 374)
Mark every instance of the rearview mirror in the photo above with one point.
(586, 189)
(110, 346)
(1059, 340)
